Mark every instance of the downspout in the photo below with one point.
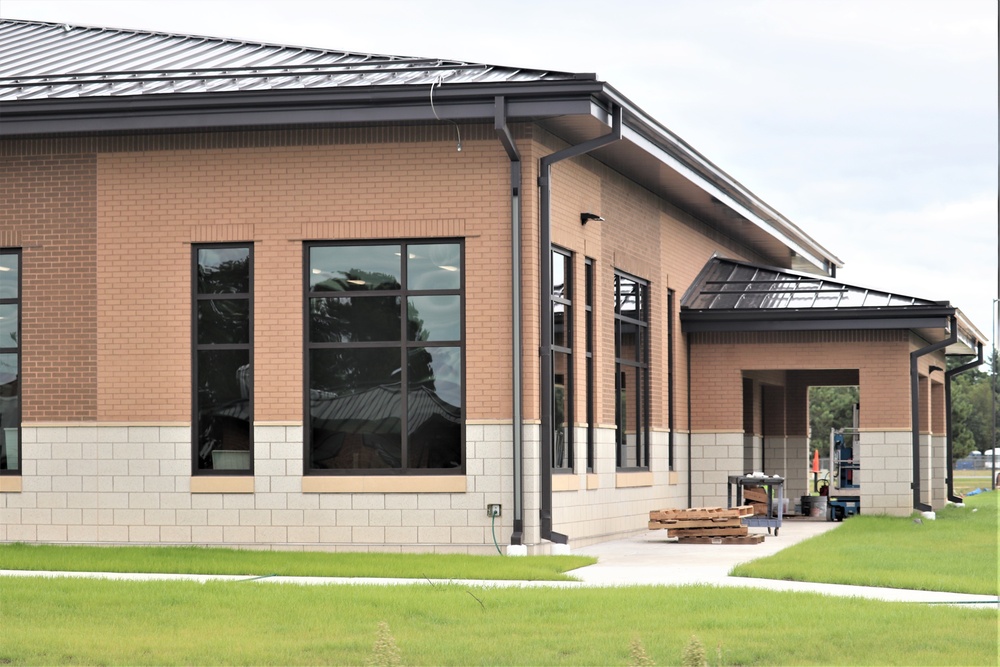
(915, 409)
(517, 394)
(949, 448)
(545, 321)
(690, 429)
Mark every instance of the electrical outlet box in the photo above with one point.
(493, 509)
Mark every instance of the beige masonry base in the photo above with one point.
(884, 478)
(94, 484)
(119, 484)
(607, 503)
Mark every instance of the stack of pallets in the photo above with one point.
(705, 525)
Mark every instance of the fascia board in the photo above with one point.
(195, 110)
(698, 322)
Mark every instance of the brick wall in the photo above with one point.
(49, 210)
(877, 359)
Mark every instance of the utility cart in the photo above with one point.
(775, 488)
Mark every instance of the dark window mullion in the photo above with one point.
(404, 360)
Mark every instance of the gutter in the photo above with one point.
(545, 321)
(517, 423)
(948, 421)
(915, 409)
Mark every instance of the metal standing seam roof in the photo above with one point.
(57, 79)
(730, 285)
(53, 61)
(730, 295)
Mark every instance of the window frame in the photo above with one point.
(588, 328)
(16, 350)
(404, 293)
(196, 347)
(565, 300)
(641, 362)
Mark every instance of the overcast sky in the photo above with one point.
(871, 124)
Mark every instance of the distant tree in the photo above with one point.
(972, 404)
(829, 407)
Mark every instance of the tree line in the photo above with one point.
(972, 403)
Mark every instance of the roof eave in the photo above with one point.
(558, 101)
(233, 110)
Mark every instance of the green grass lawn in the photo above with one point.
(71, 621)
(968, 480)
(200, 560)
(956, 553)
(85, 622)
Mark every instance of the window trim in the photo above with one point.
(403, 343)
(18, 350)
(196, 347)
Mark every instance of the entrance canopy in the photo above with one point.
(730, 295)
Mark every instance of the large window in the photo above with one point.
(384, 365)
(562, 360)
(632, 371)
(10, 361)
(223, 359)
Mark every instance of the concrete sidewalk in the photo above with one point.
(652, 558)
(645, 559)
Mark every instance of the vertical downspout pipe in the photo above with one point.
(545, 296)
(915, 408)
(517, 394)
(949, 450)
(690, 429)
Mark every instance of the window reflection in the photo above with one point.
(381, 397)
(10, 361)
(10, 412)
(355, 268)
(434, 266)
(222, 369)
(354, 319)
(433, 318)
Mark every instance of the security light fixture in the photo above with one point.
(587, 217)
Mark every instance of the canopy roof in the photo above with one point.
(731, 295)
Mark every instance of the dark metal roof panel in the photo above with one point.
(51, 61)
(726, 285)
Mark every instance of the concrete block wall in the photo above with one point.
(602, 505)
(886, 472)
(714, 457)
(797, 459)
(132, 484)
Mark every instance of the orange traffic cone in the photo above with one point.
(815, 460)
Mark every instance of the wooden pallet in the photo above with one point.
(756, 538)
(710, 513)
(735, 522)
(684, 531)
(754, 494)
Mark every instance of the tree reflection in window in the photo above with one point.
(222, 361)
(10, 361)
(382, 317)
